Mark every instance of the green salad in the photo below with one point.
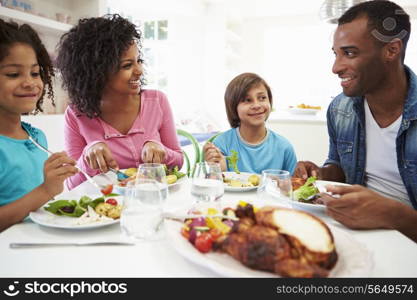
(75, 208)
(306, 190)
(232, 161)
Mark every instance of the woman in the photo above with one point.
(111, 121)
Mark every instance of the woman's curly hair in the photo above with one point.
(11, 34)
(89, 53)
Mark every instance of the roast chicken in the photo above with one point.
(284, 241)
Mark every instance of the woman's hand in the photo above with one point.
(58, 167)
(99, 157)
(153, 153)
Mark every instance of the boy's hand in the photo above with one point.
(212, 153)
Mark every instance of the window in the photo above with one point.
(155, 51)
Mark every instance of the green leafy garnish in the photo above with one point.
(306, 190)
(73, 208)
(232, 161)
(176, 172)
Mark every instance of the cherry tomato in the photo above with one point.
(107, 190)
(112, 201)
(204, 242)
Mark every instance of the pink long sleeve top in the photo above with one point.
(154, 123)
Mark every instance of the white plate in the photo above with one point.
(243, 176)
(320, 208)
(354, 259)
(303, 111)
(45, 218)
(121, 189)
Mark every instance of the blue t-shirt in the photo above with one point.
(275, 152)
(21, 165)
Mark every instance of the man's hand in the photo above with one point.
(100, 157)
(359, 207)
(305, 169)
(153, 153)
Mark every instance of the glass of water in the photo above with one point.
(141, 217)
(275, 184)
(154, 172)
(207, 185)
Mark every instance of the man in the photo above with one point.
(373, 124)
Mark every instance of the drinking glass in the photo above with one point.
(207, 185)
(141, 216)
(275, 184)
(155, 172)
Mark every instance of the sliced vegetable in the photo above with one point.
(204, 242)
(112, 201)
(107, 190)
(198, 222)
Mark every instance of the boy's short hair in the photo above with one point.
(237, 90)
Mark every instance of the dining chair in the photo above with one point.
(190, 167)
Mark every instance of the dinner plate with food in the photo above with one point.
(79, 212)
(240, 182)
(289, 243)
(174, 177)
(304, 109)
(305, 191)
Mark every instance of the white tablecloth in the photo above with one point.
(394, 254)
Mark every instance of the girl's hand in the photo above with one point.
(99, 157)
(58, 167)
(213, 154)
(153, 153)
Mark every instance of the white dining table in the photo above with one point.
(394, 255)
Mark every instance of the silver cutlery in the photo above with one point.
(182, 217)
(120, 175)
(89, 179)
(38, 245)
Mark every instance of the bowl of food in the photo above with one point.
(304, 109)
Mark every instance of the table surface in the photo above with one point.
(394, 255)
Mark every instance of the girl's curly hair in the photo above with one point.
(11, 34)
(89, 53)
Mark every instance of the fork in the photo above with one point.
(120, 175)
(90, 180)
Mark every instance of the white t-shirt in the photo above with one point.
(381, 172)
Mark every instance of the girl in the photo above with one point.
(248, 102)
(27, 178)
(111, 121)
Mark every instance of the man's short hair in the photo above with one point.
(386, 21)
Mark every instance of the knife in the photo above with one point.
(36, 245)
